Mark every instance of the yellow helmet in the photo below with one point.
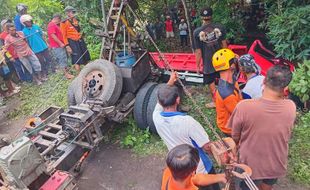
(221, 59)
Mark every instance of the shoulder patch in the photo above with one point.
(225, 89)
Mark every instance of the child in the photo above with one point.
(182, 162)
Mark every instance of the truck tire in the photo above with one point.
(150, 108)
(140, 107)
(103, 81)
(72, 92)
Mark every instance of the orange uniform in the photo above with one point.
(169, 184)
(70, 30)
(226, 98)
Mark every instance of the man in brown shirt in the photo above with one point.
(262, 129)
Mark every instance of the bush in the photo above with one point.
(300, 84)
(289, 32)
(299, 155)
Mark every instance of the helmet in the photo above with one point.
(21, 7)
(25, 18)
(221, 60)
(69, 8)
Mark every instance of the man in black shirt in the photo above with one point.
(208, 38)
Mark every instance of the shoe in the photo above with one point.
(17, 87)
(210, 105)
(44, 79)
(69, 76)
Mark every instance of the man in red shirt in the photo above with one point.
(57, 45)
(169, 28)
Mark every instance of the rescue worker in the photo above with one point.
(73, 40)
(208, 38)
(21, 10)
(227, 94)
(176, 128)
(37, 43)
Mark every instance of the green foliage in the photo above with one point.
(35, 99)
(289, 32)
(299, 155)
(141, 141)
(300, 84)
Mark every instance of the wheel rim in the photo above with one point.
(94, 85)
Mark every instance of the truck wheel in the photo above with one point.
(101, 80)
(140, 107)
(150, 108)
(71, 92)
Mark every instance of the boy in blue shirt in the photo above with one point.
(38, 45)
(21, 10)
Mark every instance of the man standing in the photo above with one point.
(21, 10)
(158, 29)
(169, 28)
(262, 129)
(208, 38)
(177, 128)
(21, 72)
(183, 33)
(57, 44)
(73, 40)
(37, 43)
(227, 94)
(24, 53)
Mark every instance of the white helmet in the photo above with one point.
(25, 18)
(21, 7)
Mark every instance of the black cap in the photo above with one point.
(206, 12)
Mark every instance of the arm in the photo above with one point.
(198, 59)
(208, 179)
(224, 44)
(57, 40)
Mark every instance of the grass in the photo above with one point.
(35, 99)
(299, 154)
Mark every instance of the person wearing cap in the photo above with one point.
(34, 36)
(57, 45)
(18, 41)
(73, 40)
(227, 94)
(21, 10)
(169, 28)
(208, 38)
(183, 32)
(254, 85)
(21, 71)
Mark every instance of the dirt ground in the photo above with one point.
(114, 168)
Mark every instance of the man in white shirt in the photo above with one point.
(183, 33)
(177, 128)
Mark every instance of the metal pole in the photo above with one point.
(105, 27)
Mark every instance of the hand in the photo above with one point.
(12, 59)
(223, 178)
(62, 45)
(173, 78)
(69, 50)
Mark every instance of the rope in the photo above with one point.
(168, 67)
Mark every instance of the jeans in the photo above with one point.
(46, 61)
(183, 40)
(60, 56)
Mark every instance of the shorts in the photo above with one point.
(169, 35)
(210, 78)
(270, 182)
(31, 62)
(80, 54)
(60, 56)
